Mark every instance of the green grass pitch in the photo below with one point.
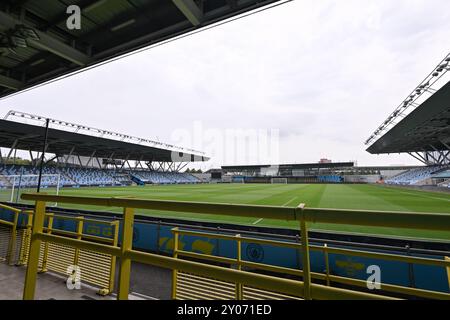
(370, 197)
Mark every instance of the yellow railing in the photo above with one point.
(10, 254)
(300, 214)
(325, 277)
(98, 270)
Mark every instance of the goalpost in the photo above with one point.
(29, 182)
(279, 180)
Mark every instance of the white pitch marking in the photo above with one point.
(258, 221)
(424, 195)
(284, 205)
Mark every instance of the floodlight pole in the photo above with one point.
(41, 165)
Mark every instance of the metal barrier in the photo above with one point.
(97, 268)
(448, 271)
(302, 215)
(191, 286)
(9, 236)
(179, 287)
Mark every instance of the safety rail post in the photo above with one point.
(35, 248)
(125, 262)
(46, 245)
(448, 271)
(176, 236)
(327, 263)
(24, 248)
(239, 287)
(80, 225)
(301, 214)
(115, 225)
(305, 254)
(12, 241)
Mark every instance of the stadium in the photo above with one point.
(121, 216)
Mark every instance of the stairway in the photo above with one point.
(137, 180)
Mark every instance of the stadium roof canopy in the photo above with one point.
(290, 166)
(426, 129)
(36, 45)
(23, 136)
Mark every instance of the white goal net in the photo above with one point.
(12, 186)
(279, 180)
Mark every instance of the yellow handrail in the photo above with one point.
(319, 276)
(13, 224)
(3, 206)
(50, 229)
(395, 219)
(301, 214)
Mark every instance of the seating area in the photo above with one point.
(11, 176)
(90, 176)
(330, 179)
(74, 176)
(165, 177)
(414, 176)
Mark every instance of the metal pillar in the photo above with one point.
(41, 165)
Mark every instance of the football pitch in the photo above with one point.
(367, 197)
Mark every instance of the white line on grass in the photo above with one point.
(424, 195)
(284, 205)
(258, 221)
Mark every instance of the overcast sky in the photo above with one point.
(317, 77)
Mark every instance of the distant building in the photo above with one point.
(323, 160)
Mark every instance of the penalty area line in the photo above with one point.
(258, 221)
(284, 205)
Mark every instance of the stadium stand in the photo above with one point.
(164, 177)
(30, 178)
(414, 176)
(73, 176)
(330, 179)
(445, 184)
(90, 176)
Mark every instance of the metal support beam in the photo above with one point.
(99, 164)
(51, 159)
(69, 155)
(418, 157)
(10, 83)
(90, 159)
(190, 10)
(46, 42)
(123, 163)
(182, 166)
(429, 154)
(13, 147)
(79, 160)
(44, 148)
